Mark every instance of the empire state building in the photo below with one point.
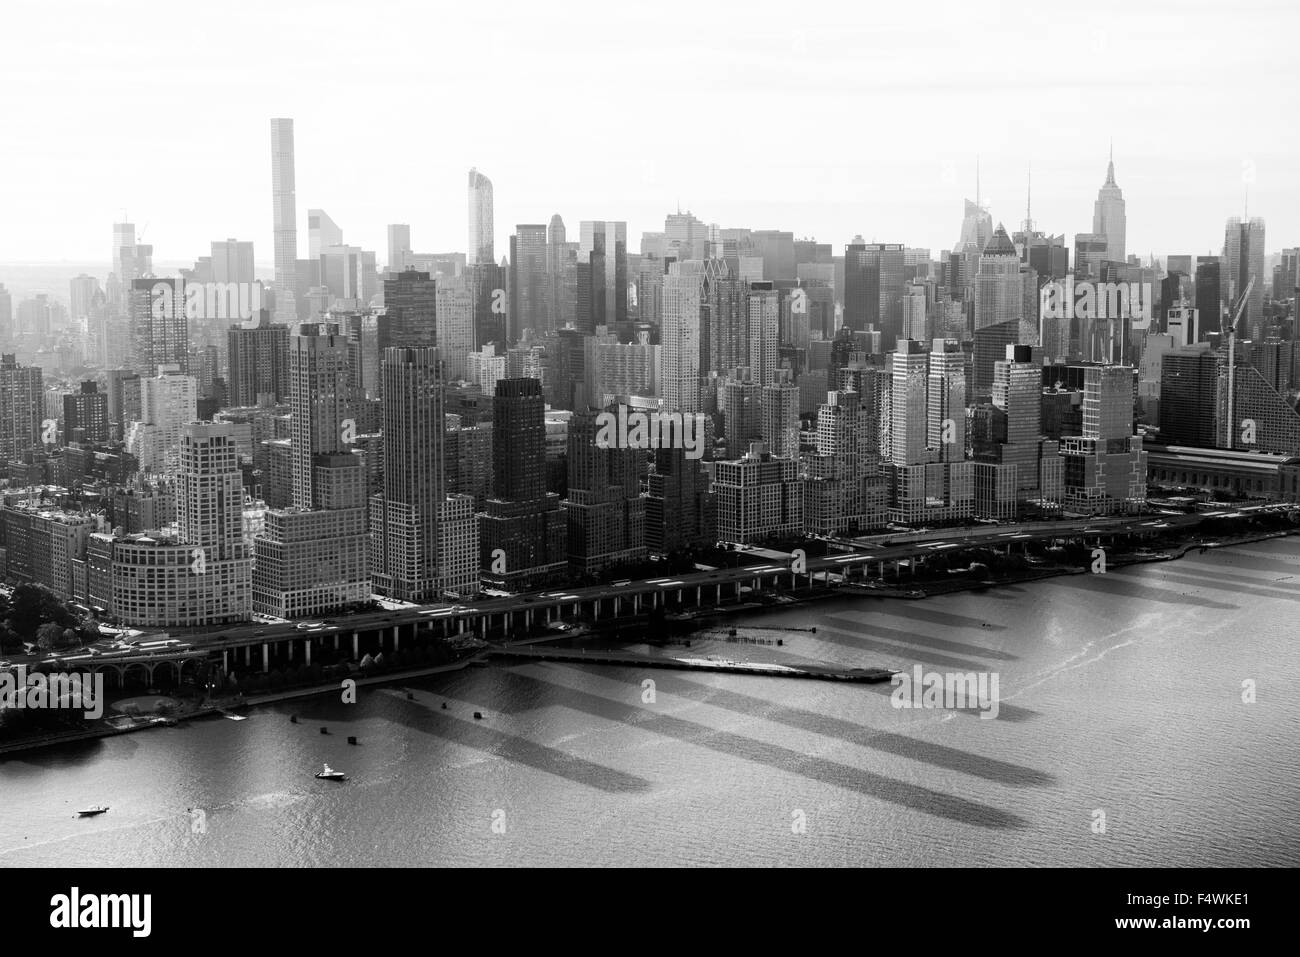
(1108, 215)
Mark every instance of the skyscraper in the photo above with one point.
(602, 275)
(232, 261)
(285, 218)
(410, 311)
(480, 219)
(259, 362)
(399, 246)
(322, 233)
(1108, 215)
(22, 407)
(159, 328)
(85, 414)
(528, 282)
(999, 293)
(311, 558)
(522, 532)
(404, 530)
(1243, 260)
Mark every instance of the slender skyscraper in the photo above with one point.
(480, 218)
(1243, 259)
(1108, 214)
(528, 255)
(285, 217)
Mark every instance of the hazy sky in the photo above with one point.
(825, 118)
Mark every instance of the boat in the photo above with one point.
(327, 773)
(92, 811)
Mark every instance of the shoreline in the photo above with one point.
(917, 592)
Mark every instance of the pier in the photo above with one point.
(632, 659)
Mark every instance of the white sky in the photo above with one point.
(825, 118)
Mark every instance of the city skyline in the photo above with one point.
(855, 183)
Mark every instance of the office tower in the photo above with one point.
(604, 509)
(922, 487)
(614, 368)
(1182, 324)
(311, 557)
(777, 251)
(1243, 260)
(915, 316)
(685, 237)
(6, 315)
(131, 260)
(1106, 467)
(480, 219)
(85, 415)
(522, 534)
(285, 219)
(999, 290)
(348, 273)
(874, 280)
(528, 274)
(232, 261)
(976, 225)
(399, 246)
(1286, 275)
(990, 346)
(258, 362)
(454, 321)
(1108, 215)
(945, 405)
(168, 403)
(405, 539)
(410, 311)
(322, 233)
(467, 454)
(602, 275)
(763, 331)
(22, 408)
(1189, 385)
(779, 409)
(561, 276)
(1209, 285)
(679, 512)
(487, 284)
(82, 292)
(158, 325)
(210, 501)
(844, 492)
(681, 374)
(758, 497)
(1089, 254)
(1014, 464)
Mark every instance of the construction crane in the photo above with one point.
(1234, 313)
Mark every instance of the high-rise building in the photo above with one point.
(1106, 467)
(561, 276)
(528, 282)
(22, 408)
(258, 362)
(322, 233)
(410, 311)
(85, 415)
(602, 276)
(758, 497)
(999, 293)
(454, 320)
(604, 510)
(232, 261)
(679, 511)
(522, 532)
(480, 219)
(405, 536)
(763, 332)
(1108, 215)
(1243, 260)
(779, 405)
(311, 557)
(945, 401)
(681, 374)
(874, 281)
(1189, 381)
(844, 492)
(168, 403)
(399, 246)
(159, 328)
(285, 219)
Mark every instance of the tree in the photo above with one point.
(49, 636)
(34, 605)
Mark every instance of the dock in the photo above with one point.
(632, 659)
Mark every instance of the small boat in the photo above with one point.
(478, 715)
(92, 811)
(329, 774)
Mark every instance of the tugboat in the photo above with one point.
(93, 811)
(329, 774)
